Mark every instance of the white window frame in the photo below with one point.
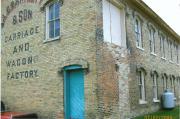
(177, 54)
(141, 83)
(155, 88)
(152, 41)
(164, 79)
(163, 83)
(47, 23)
(168, 49)
(172, 81)
(162, 47)
(138, 33)
(171, 51)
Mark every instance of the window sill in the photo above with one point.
(163, 58)
(51, 39)
(142, 102)
(171, 61)
(153, 54)
(140, 48)
(156, 100)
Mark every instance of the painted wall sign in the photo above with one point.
(16, 3)
(21, 61)
(22, 16)
(22, 74)
(21, 58)
(22, 34)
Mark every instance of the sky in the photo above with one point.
(168, 10)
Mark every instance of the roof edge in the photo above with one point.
(157, 19)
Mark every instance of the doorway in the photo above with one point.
(74, 92)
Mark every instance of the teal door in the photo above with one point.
(74, 94)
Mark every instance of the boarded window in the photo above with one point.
(112, 23)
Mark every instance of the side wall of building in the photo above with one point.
(142, 58)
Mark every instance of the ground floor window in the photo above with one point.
(141, 83)
(155, 87)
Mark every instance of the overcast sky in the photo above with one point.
(168, 10)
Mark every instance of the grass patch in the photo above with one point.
(162, 114)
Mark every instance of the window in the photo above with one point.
(177, 54)
(52, 21)
(172, 81)
(171, 51)
(113, 23)
(168, 49)
(155, 88)
(152, 40)
(172, 84)
(162, 46)
(138, 33)
(164, 81)
(141, 80)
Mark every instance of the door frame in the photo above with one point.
(65, 72)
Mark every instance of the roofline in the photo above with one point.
(156, 18)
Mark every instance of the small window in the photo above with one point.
(141, 80)
(177, 54)
(171, 51)
(162, 46)
(168, 49)
(172, 81)
(53, 21)
(164, 81)
(152, 40)
(138, 33)
(155, 87)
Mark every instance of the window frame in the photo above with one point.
(155, 88)
(47, 37)
(141, 85)
(162, 46)
(152, 40)
(110, 31)
(171, 51)
(138, 33)
(177, 53)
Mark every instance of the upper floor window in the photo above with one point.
(113, 23)
(53, 21)
(171, 51)
(162, 46)
(138, 33)
(152, 40)
(177, 54)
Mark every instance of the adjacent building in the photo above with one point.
(93, 59)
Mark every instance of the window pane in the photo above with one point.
(51, 29)
(140, 88)
(57, 10)
(136, 26)
(57, 28)
(51, 12)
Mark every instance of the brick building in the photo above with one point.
(102, 58)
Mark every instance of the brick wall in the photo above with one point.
(44, 93)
